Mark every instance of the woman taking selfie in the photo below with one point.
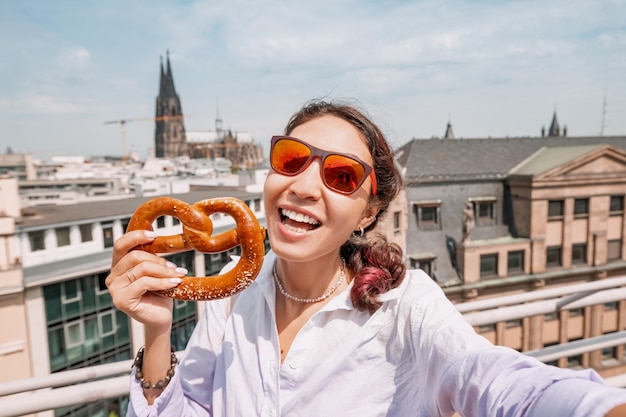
(334, 324)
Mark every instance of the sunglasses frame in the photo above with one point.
(323, 154)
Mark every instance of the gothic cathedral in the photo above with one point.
(169, 137)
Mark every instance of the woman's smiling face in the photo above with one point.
(305, 219)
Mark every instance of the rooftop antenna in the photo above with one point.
(603, 118)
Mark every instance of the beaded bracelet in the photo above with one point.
(161, 383)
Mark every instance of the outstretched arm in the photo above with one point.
(619, 411)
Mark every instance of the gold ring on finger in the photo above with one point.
(130, 274)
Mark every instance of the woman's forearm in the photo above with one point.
(156, 361)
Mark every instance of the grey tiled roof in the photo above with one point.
(435, 160)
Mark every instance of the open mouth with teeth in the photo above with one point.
(298, 222)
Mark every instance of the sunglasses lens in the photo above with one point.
(342, 173)
(289, 156)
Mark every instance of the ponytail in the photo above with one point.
(378, 267)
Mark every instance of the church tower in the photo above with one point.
(169, 137)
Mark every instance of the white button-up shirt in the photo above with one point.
(415, 356)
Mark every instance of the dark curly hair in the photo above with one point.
(376, 264)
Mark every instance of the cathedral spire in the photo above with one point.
(162, 79)
(449, 133)
(169, 136)
(554, 130)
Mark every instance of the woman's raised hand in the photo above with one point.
(136, 274)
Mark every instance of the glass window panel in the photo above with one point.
(89, 293)
(581, 206)
(617, 204)
(56, 347)
(74, 334)
(92, 338)
(555, 209)
(36, 240)
(106, 323)
(70, 291)
(428, 216)
(516, 261)
(553, 256)
(579, 253)
(123, 327)
(86, 232)
(614, 250)
(488, 264)
(107, 236)
(161, 222)
(52, 297)
(396, 220)
(63, 236)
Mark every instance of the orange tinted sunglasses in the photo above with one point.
(341, 172)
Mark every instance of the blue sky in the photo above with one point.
(494, 68)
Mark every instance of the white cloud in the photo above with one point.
(49, 105)
(74, 58)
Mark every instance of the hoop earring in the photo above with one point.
(360, 233)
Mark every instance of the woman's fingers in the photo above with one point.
(128, 241)
(138, 264)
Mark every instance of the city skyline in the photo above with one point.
(492, 69)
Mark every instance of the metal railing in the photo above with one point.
(107, 381)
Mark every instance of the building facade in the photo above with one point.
(53, 267)
(489, 218)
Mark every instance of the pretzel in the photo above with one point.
(197, 234)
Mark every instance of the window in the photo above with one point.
(396, 222)
(425, 262)
(515, 262)
(484, 210)
(581, 207)
(106, 323)
(579, 253)
(617, 205)
(575, 312)
(36, 240)
(85, 233)
(84, 328)
(609, 354)
(428, 214)
(63, 236)
(575, 362)
(70, 291)
(554, 256)
(257, 205)
(161, 222)
(614, 250)
(125, 222)
(551, 316)
(555, 209)
(486, 328)
(511, 324)
(107, 236)
(489, 265)
(175, 221)
(74, 334)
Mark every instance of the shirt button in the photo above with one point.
(294, 364)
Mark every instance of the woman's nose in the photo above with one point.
(308, 183)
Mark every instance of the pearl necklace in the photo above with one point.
(310, 300)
